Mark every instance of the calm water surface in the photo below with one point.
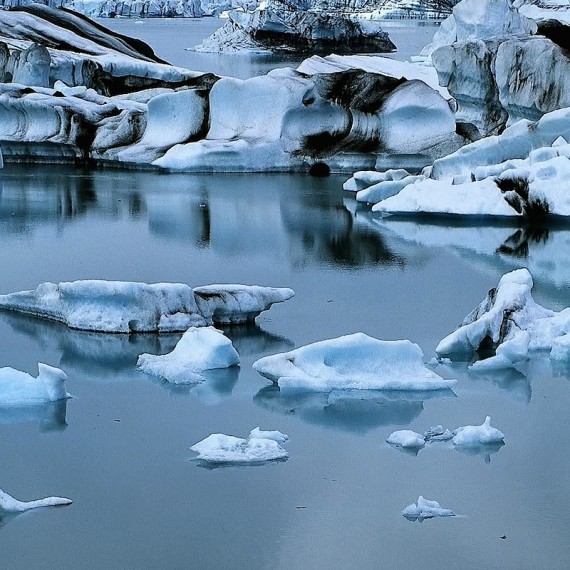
(120, 447)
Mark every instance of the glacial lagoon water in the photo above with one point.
(120, 447)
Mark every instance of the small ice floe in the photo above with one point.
(10, 505)
(21, 389)
(406, 439)
(275, 435)
(352, 362)
(125, 307)
(437, 433)
(510, 322)
(425, 509)
(221, 449)
(484, 434)
(198, 350)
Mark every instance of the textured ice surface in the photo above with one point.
(354, 361)
(124, 307)
(275, 435)
(426, 509)
(199, 349)
(10, 505)
(484, 434)
(221, 448)
(21, 389)
(407, 439)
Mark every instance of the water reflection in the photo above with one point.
(49, 416)
(211, 388)
(251, 340)
(357, 411)
(212, 466)
(482, 450)
(501, 246)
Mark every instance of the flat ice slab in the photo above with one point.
(125, 307)
(426, 509)
(352, 362)
(199, 349)
(223, 449)
(10, 505)
(484, 434)
(21, 389)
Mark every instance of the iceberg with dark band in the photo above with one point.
(125, 307)
(352, 362)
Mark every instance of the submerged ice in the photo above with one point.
(352, 362)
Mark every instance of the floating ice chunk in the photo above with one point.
(220, 448)
(507, 309)
(275, 435)
(437, 433)
(21, 389)
(111, 306)
(238, 303)
(10, 505)
(478, 435)
(125, 307)
(426, 509)
(354, 361)
(199, 349)
(407, 439)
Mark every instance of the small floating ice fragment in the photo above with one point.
(21, 389)
(407, 439)
(198, 350)
(352, 362)
(10, 505)
(274, 435)
(425, 509)
(438, 433)
(484, 434)
(223, 449)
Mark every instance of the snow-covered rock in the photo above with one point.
(484, 434)
(198, 350)
(406, 439)
(234, 304)
(425, 509)
(10, 505)
(352, 362)
(126, 307)
(227, 449)
(21, 389)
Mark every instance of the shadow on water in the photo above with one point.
(50, 416)
(357, 411)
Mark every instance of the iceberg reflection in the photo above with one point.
(50, 416)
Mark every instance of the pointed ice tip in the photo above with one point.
(51, 370)
(487, 421)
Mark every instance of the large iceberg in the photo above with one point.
(425, 509)
(125, 307)
(21, 389)
(352, 362)
(510, 323)
(198, 350)
(259, 447)
(10, 505)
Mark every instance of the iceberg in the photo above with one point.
(406, 439)
(127, 307)
(21, 389)
(275, 435)
(219, 448)
(199, 349)
(352, 362)
(425, 509)
(235, 304)
(510, 323)
(10, 505)
(484, 434)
